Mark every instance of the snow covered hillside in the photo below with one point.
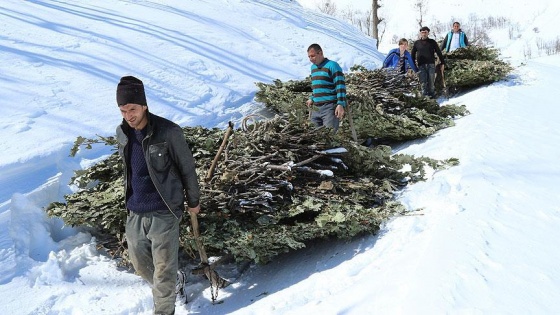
(199, 61)
(485, 237)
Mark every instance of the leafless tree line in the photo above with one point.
(476, 28)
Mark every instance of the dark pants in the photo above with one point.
(153, 246)
(323, 116)
(426, 74)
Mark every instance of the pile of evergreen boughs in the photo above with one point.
(473, 66)
(279, 184)
(276, 187)
(386, 106)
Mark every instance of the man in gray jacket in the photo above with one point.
(159, 172)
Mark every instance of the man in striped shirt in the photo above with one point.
(329, 89)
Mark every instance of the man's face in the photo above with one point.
(456, 27)
(135, 115)
(424, 34)
(316, 57)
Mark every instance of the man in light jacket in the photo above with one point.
(456, 38)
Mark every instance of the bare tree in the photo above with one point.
(327, 7)
(369, 22)
(375, 20)
(422, 6)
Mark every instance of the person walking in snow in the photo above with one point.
(328, 86)
(423, 53)
(400, 59)
(456, 38)
(159, 172)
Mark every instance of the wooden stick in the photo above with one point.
(351, 121)
(220, 150)
(216, 281)
(309, 160)
(196, 233)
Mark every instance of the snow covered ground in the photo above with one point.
(485, 239)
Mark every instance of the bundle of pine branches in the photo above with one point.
(281, 183)
(386, 106)
(278, 185)
(471, 67)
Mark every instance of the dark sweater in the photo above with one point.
(423, 52)
(143, 195)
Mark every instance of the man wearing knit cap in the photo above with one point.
(159, 175)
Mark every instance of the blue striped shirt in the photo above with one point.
(327, 83)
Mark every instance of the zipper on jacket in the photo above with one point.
(150, 171)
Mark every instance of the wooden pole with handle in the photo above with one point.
(196, 233)
(216, 282)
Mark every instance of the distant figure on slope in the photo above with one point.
(159, 175)
(400, 59)
(329, 90)
(456, 38)
(423, 53)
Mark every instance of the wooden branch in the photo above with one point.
(311, 159)
(217, 157)
(311, 170)
(284, 168)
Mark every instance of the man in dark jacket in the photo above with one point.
(423, 53)
(159, 170)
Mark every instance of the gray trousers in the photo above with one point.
(324, 116)
(427, 74)
(153, 246)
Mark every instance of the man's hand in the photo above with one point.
(194, 210)
(339, 112)
(309, 103)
